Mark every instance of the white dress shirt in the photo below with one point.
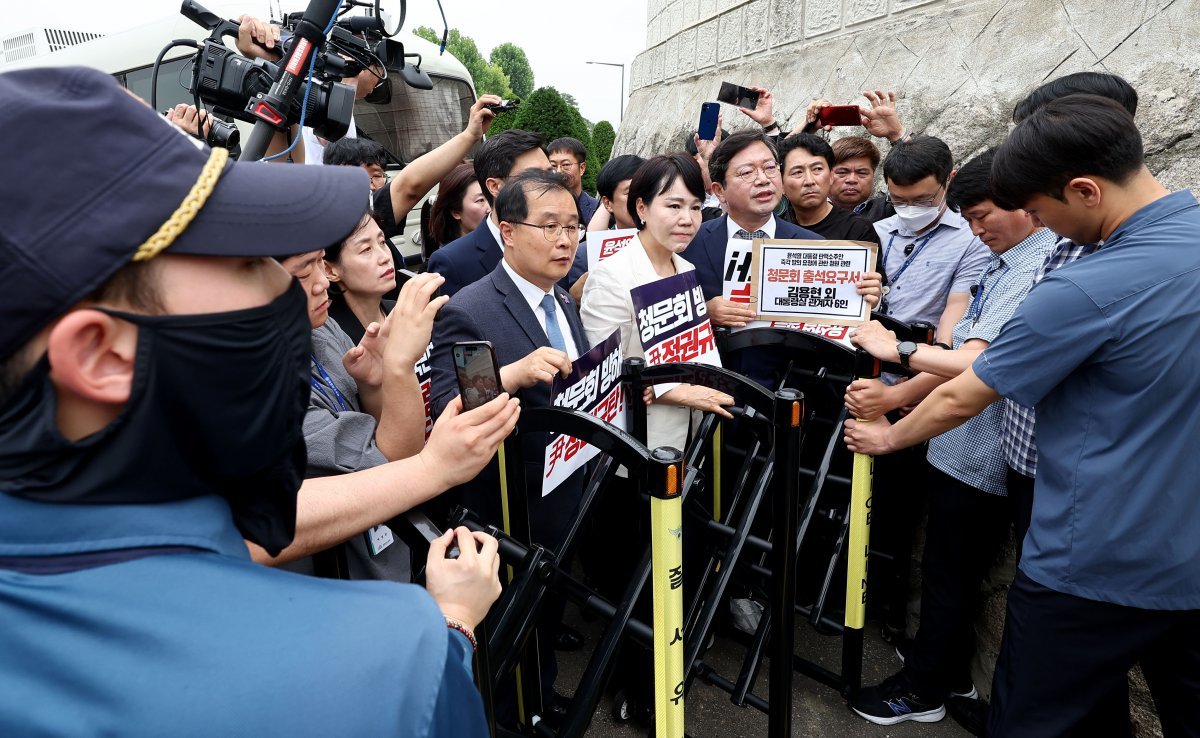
(533, 295)
(607, 306)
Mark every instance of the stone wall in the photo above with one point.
(958, 66)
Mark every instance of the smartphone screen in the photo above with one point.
(708, 121)
(743, 97)
(841, 115)
(478, 373)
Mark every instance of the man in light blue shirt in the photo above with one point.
(1106, 350)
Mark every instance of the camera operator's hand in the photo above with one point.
(186, 117)
(416, 307)
(539, 366)
(481, 117)
(464, 588)
(252, 32)
(461, 444)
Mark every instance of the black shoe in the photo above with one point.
(894, 701)
(971, 714)
(554, 710)
(964, 688)
(625, 708)
(568, 639)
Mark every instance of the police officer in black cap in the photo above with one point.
(153, 378)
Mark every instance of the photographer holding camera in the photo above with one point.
(153, 378)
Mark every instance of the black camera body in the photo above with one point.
(231, 83)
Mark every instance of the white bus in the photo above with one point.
(414, 122)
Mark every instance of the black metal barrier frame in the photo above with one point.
(509, 640)
(536, 568)
(784, 410)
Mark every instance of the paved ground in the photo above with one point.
(817, 710)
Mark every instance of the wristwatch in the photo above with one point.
(906, 349)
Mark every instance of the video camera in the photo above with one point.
(234, 84)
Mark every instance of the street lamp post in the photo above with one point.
(621, 115)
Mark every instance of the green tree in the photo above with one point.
(489, 79)
(512, 60)
(603, 137)
(545, 112)
(503, 122)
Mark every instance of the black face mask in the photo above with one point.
(217, 407)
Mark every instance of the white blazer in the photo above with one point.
(607, 306)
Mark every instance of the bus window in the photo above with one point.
(173, 76)
(416, 121)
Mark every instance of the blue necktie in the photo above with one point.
(552, 331)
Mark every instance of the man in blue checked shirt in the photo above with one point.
(968, 510)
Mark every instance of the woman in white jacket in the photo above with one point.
(664, 201)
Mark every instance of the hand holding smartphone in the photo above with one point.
(709, 114)
(742, 97)
(840, 115)
(478, 373)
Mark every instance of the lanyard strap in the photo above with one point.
(341, 401)
(893, 278)
(978, 299)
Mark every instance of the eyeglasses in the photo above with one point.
(553, 230)
(555, 166)
(927, 202)
(769, 170)
(380, 179)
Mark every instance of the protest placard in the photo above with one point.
(603, 244)
(810, 281)
(672, 324)
(739, 255)
(594, 387)
(424, 372)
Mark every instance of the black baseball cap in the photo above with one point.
(91, 172)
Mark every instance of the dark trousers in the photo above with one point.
(1020, 497)
(1062, 656)
(1110, 717)
(898, 500)
(965, 531)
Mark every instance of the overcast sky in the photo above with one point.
(559, 36)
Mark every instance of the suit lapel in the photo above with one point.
(515, 302)
(716, 245)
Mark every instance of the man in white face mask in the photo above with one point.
(930, 256)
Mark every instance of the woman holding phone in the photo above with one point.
(664, 201)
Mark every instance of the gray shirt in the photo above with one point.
(946, 259)
(341, 439)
